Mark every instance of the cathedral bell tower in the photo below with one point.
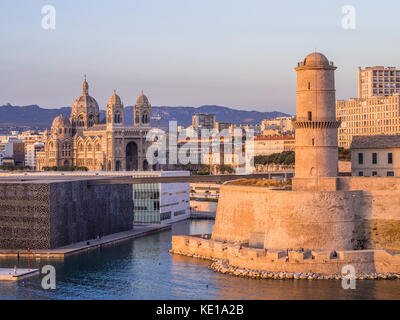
(115, 112)
(142, 112)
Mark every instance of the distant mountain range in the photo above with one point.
(36, 117)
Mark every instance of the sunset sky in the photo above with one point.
(187, 52)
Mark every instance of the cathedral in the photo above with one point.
(82, 141)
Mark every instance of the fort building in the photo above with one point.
(323, 222)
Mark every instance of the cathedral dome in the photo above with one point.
(315, 59)
(61, 122)
(142, 99)
(85, 103)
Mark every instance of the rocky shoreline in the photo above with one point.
(225, 268)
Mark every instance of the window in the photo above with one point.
(360, 173)
(309, 86)
(374, 173)
(374, 158)
(390, 158)
(360, 158)
(390, 174)
(309, 116)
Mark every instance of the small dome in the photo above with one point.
(61, 122)
(315, 59)
(142, 99)
(114, 99)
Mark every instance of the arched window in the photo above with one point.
(98, 147)
(137, 117)
(81, 121)
(90, 121)
(81, 147)
(89, 147)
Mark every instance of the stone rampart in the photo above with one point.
(322, 262)
(347, 219)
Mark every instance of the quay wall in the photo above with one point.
(322, 262)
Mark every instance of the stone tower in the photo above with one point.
(115, 112)
(142, 112)
(316, 126)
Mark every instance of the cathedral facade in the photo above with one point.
(82, 141)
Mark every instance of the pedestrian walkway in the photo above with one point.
(79, 247)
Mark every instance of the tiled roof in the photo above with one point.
(378, 141)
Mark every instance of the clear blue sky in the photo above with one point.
(234, 53)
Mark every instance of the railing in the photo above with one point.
(314, 119)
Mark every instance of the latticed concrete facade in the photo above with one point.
(43, 214)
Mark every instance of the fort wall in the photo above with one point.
(346, 219)
(322, 262)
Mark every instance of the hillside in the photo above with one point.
(37, 117)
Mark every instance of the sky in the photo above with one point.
(233, 53)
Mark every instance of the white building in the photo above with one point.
(267, 145)
(30, 153)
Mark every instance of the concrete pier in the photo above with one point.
(9, 274)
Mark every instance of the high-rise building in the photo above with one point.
(31, 149)
(378, 81)
(371, 116)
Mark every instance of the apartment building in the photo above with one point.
(378, 81)
(372, 116)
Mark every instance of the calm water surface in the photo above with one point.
(143, 269)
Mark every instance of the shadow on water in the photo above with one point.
(143, 269)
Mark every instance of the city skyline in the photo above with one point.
(184, 54)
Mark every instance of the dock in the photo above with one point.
(84, 246)
(9, 274)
